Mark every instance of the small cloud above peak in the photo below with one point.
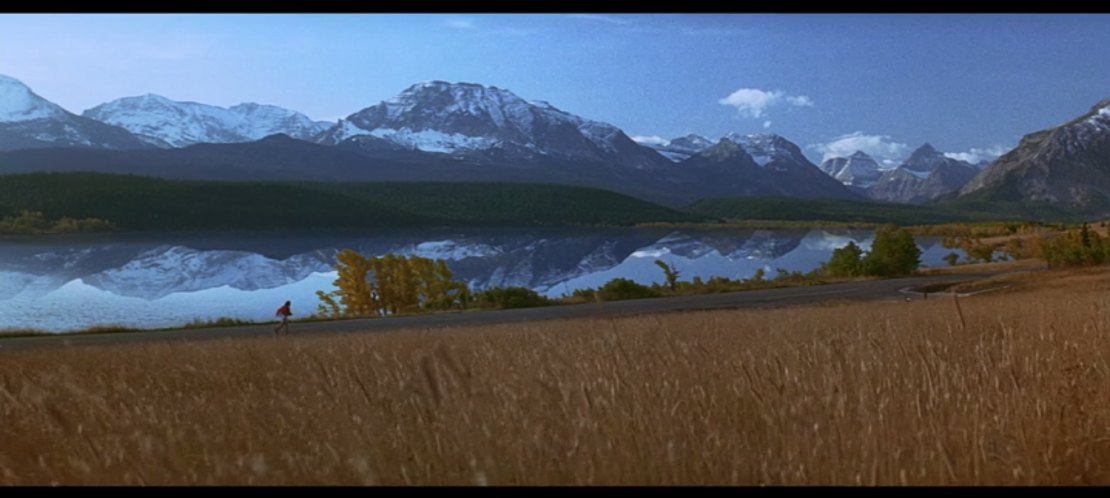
(879, 147)
(753, 102)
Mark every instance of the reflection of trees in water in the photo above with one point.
(149, 266)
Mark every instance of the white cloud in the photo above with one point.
(879, 147)
(654, 139)
(487, 30)
(461, 24)
(515, 31)
(766, 124)
(601, 18)
(713, 31)
(753, 102)
(975, 155)
(800, 101)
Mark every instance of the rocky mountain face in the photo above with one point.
(857, 170)
(471, 119)
(1065, 166)
(179, 124)
(432, 131)
(681, 148)
(29, 121)
(926, 175)
(760, 165)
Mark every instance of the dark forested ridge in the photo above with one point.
(140, 203)
(851, 211)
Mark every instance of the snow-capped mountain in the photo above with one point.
(165, 270)
(18, 103)
(1067, 165)
(179, 124)
(28, 120)
(924, 176)
(761, 165)
(858, 169)
(472, 119)
(763, 148)
(771, 150)
(681, 148)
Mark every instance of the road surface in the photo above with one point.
(888, 290)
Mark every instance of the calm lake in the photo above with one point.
(62, 283)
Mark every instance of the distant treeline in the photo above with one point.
(82, 202)
(850, 211)
(33, 222)
(139, 203)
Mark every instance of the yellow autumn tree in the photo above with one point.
(435, 288)
(354, 289)
(390, 284)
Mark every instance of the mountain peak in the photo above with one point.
(6, 80)
(1064, 165)
(859, 169)
(925, 158)
(681, 148)
(18, 103)
(723, 149)
(469, 118)
(179, 124)
(768, 147)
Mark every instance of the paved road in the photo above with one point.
(854, 291)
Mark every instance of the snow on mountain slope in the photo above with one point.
(680, 148)
(925, 175)
(19, 103)
(167, 270)
(768, 147)
(29, 121)
(695, 256)
(437, 116)
(858, 170)
(1066, 165)
(180, 124)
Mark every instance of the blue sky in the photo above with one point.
(832, 83)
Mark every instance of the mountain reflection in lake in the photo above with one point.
(62, 283)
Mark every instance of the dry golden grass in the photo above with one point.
(1017, 264)
(994, 389)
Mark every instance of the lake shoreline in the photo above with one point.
(157, 280)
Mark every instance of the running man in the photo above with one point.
(284, 312)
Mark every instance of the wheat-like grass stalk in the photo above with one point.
(1006, 389)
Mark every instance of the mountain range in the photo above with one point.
(463, 132)
(1066, 165)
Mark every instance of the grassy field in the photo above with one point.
(1005, 388)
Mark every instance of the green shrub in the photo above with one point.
(894, 253)
(622, 288)
(845, 262)
(510, 297)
